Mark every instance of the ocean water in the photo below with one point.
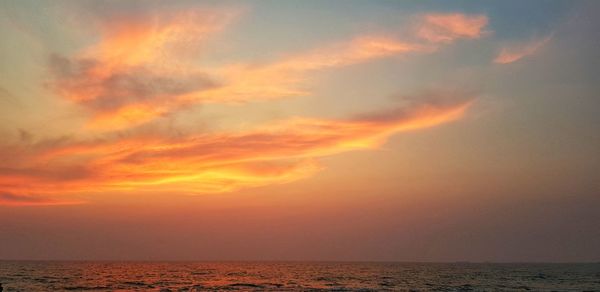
(295, 276)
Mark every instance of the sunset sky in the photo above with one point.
(300, 130)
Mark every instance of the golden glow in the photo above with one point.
(135, 74)
(210, 163)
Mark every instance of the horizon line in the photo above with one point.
(298, 261)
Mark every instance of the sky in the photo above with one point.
(300, 130)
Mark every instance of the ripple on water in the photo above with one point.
(107, 276)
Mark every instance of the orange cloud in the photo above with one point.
(516, 52)
(122, 96)
(242, 83)
(208, 163)
(447, 27)
(152, 39)
(130, 76)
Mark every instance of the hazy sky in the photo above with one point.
(300, 130)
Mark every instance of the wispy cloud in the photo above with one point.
(447, 27)
(281, 78)
(130, 76)
(136, 70)
(516, 52)
(119, 94)
(217, 162)
(8, 199)
(140, 69)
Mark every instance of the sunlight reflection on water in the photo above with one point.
(294, 276)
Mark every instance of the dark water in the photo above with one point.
(296, 276)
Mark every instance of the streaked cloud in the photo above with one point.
(447, 27)
(122, 95)
(516, 52)
(205, 163)
(8, 199)
(246, 82)
(131, 76)
(137, 68)
(143, 67)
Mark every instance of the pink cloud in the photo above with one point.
(445, 28)
(515, 53)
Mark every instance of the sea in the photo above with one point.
(295, 276)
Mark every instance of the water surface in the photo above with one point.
(295, 276)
